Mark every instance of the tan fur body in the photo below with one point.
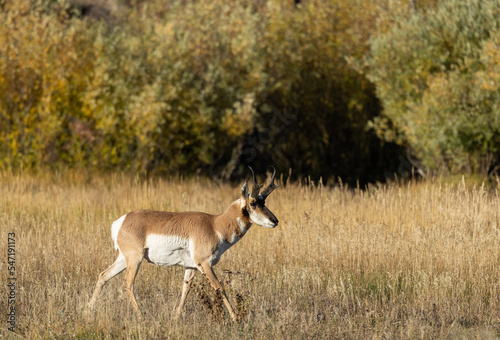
(203, 230)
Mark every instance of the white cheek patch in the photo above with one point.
(260, 220)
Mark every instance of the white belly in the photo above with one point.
(169, 251)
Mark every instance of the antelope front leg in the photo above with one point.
(133, 264)
(210, 275)
(188, 278)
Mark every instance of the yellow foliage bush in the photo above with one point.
(188, 87)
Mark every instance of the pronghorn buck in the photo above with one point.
(193, 240)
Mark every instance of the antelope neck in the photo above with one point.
(233, 222)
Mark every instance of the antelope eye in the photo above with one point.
(253, 205)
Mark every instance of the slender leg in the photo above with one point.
(210, 275)
(133, 264)
(188, 278)
(116, 268)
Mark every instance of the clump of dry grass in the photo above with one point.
(418, 260)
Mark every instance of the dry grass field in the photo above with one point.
(414, 260)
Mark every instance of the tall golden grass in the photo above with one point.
(414, 260)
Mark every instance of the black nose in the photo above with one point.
(274, 220)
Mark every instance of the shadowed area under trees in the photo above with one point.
(198, 88)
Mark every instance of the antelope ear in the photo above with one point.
(244, 191)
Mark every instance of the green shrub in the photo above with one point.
(436, 75)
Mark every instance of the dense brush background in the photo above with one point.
(327, 88)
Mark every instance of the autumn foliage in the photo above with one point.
(437, 77)
(326, 88)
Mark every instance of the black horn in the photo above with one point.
(271, 185)
(256, 187)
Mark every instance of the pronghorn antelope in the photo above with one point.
(193, 240)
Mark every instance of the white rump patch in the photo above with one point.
(170, 250)
(115, 228)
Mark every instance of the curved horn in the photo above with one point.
(271, 185)
(256, 187)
